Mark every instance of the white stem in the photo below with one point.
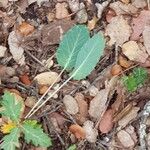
(49, 97)
(37, 103)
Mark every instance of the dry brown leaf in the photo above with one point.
(116, 70)
(118, 30)
(122, 9)
(25, 29)
(106, 122)
(78, 131)
(110, 14)
(30, 101)
(139, 23)
(59, 118)
(124, 62)
(130, 116)
(92, 23)
(98, 103)
(91, 132)
(125, 139)
(132, 50)
(70, 104)
(15, 49)
(25, 79)
(39, 2)
(2, 51)
(47, 78)
(61, 10)
(139, 3)
(83, 108)
(146, 38)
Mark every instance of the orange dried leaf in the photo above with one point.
(25, 79)
(124, 62)
(25, 29)
(78, 131)
(116, 70)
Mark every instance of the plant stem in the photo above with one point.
(44, 94)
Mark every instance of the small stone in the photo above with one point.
(70, 104)
(2, 51)
(93, 91)
(43, 89)
(14, 79)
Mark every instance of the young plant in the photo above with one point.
(15, 127)
(135, 79)
(78, 54)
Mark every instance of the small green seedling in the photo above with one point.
(135, 79)
(72, 147)
(15, 127)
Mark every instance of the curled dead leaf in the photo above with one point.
(124, 62)
(78, 131)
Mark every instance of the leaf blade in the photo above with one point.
(88, 56)
(69, 47)
(11, 141)
(12, 109)
(34, 133)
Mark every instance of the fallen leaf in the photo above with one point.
(25, 79)
(92, 23)
(137, 27)
(70, 104)
(30, 101)
(59, 118)
(15, 49)
(132, 51)
(43, 89)
(93, 91)
(98, 103)
(101, 7)
(124, 62)
(116, 70)
(50, 16)
(131, 130)
(110, 14)
(91, 132)
(118, 30)
(125, 139)
(39, 2)
(4, 3)
(2, 51)
(78, 131)
(61, 10)
(126, 1)
(2, 70)
(25, 28)
(47, 78)
(139, 3)
(146, 37)
(106, 123)
(83, 108)
(123, 9)
(130, 116)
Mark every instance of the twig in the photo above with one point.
(34, 57)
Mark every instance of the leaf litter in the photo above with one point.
(65, 60)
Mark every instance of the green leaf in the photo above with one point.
(72, 147)
(11, 141)
(11, 107)
(88, 56)
(71, 44)
(34, 133)
(135, 79)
